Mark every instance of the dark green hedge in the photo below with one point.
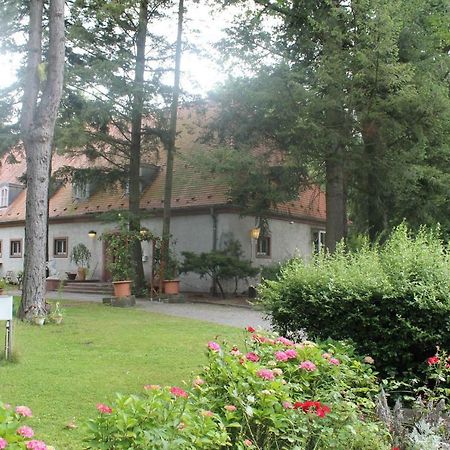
(392, 301)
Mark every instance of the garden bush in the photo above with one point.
(14, 435)
(270, 394)
(392, 301)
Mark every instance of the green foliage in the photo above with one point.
(81, 255)
(220, 265)
(260, 399)
(392, 301)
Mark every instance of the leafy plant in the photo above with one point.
(270, 394)
(2, 283)
(81, 256)
(220, 265)
(392, 301)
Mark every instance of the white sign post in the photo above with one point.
(6, 306)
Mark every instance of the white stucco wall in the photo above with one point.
(189, 233)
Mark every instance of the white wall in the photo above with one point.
(189, 233)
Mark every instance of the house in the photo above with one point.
(203, 218)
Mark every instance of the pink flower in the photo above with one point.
(250, 329)
(230, 408)
(281, 356)
(104, 409)
(291, 353)
(24, 411)
(287, 405)
(326, 355)
(36, 445)
(266, 374)
(152, 387)
(334, 361)
(207, 413)
(198, 382)
(308, 366)
(3, 443)
(248, 443)
(433, 360)
(235, 351)
(214, 346)
(178, 392)
(284, 341)
(252, 357)
(25, 431)
(277, 371)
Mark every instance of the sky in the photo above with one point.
(200, 73)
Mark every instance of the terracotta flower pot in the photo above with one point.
(171, 287)
(122, 288)
(82, 273)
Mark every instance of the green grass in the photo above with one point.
(63, 371)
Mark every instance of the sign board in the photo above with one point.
(6, 304)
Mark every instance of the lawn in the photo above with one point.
(63, 371)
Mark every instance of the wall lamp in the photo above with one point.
(92, 234)
(254, 232)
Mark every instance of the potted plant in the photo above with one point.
(81, 256)
(2, 286)
(56, 314)
(171, 283)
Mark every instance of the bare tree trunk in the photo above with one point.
(170, 148)
(135, 149)
(38, 123)
(335, 200)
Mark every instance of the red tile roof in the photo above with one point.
(191, 188)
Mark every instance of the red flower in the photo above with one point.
(104, 409)
(313, 407)
(178, 392)
(250, 329)
(433, 360)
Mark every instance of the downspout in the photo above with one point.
(214, 243)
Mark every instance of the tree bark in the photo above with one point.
(335, 199)
(170, 149)
(38, 123)
(135, 149)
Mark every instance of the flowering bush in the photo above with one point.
(13, 434)
(272, 393)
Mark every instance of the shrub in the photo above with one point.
(14, 435)
(274, 394)
(392, 301)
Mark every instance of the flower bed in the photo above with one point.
(272, 393)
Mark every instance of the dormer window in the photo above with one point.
(81, 190)
(4, 196)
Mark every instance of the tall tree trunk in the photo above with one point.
(38, 124)
(135, 149)
(170, 148)
(335, 199)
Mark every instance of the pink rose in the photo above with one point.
(281, 356)
(248, 443)
(235, 351)
(309, 366)
(252, 357)
(214, 346)
(291, 353)
(230, 408)
(104, 409)
(284, 341)
(207, 413)
(334, 361)
(265, 374)
(24, 411)
(36, 445)
(178, 392)
(3, 443)
(25, 431)
(198, 382)
(326, 355)
(287, 405)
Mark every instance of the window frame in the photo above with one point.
(1, 248)
(15, 255)
(318, 246)
(66, 253)
(268, 253)
(4, 196)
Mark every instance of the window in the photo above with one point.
(15, 248)
(318, 237)
(0, 249)
(263, 247)
(4, 191)
(60, 247)
(80, 190)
